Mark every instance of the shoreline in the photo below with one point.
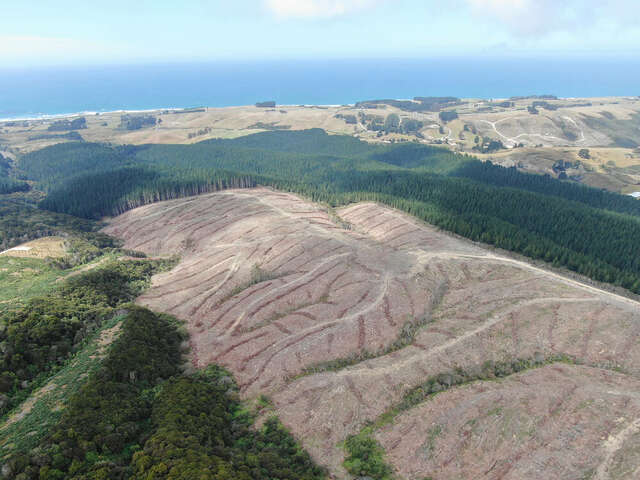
(52, 116)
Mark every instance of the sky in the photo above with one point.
(73, 32)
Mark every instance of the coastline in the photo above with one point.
(53, 116)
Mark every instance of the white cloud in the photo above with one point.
(520, 17)
(537, 17)
(529, 17)
(316, 8)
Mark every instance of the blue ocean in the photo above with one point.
(33, 92)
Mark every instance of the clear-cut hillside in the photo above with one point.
(274, 287)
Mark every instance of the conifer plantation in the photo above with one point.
(592, 232)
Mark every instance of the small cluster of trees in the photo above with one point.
(584, 153)
(470, 128)
(505, 104)
(186, 110)
(136, 122)
(375, 123)
(448, 116)
(544, 104)
(392, 124)
(535, 97)
(487, 145)
(199, 133)
(348, 118)
(267, 104)
(65, 124)
(533, 108)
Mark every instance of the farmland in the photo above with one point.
(531, 138)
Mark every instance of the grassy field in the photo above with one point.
(41, 248)
(24, 427)
(24, 278)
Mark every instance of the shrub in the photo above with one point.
(365, 457)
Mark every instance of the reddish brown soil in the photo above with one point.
(335, 294)
(544, 423)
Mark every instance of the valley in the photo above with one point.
(351, 320)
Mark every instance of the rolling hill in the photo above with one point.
(355, 321)
(313, 306)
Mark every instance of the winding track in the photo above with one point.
(514, 140)
(337, 294)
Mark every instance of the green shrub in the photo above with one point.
(138, 417)
(49, 329)
(366, 457)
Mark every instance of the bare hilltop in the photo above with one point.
(460, 362)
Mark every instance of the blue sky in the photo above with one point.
(67, 32)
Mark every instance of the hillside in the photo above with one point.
(352, 321)
(503, 207)
(320, 240)
(93, 387)
(536, 135)
(405, 311)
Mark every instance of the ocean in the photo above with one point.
(35, 92)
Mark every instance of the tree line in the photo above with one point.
(587, 230)
(7, 183)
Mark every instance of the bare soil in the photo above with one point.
(560, 421)
(326, 294)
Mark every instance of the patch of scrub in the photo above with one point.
(25, 426)
(24, 278)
